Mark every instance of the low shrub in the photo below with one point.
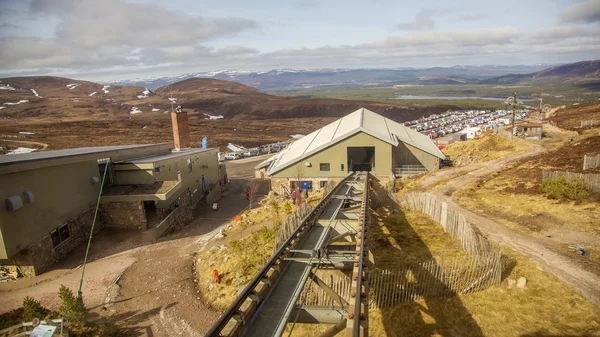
(561, 188)
(71, 307)
(33, 309)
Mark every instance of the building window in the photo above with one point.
(324, 166)
(60, 235)
(342, 167)
(157, 169)
(190, 166)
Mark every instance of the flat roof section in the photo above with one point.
(55, 154)
(158, 191)
(173, 154)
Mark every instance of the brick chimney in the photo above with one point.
(181, 129)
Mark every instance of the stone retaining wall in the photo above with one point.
(40, 256)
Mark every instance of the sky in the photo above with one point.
(118, 39)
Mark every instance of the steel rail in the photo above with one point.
(233, 309)
(359, 279)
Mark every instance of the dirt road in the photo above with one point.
(588, 284)
(158, 295)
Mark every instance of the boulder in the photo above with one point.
(511, 283)
(521, 283)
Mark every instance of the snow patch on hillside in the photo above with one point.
(105, 89)
(19, 102)
(172, 99)
(155, 109)
(73, 85)
(92, 94)
(144, 94)
(213, 117)
(2, 107)
(21, 150)
(6, 87)
(297, 136)
(35, 93)
(134, 110)
(26, 133)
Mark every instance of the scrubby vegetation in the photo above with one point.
(71, 308)
(562, 188)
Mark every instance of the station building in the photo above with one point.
(360, 141)
(50, 196)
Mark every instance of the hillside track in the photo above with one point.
(567, 270)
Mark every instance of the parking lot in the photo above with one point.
(436, 126)
(239, 152)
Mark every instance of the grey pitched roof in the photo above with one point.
(361, 120)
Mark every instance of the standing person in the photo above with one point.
(306, 187)
(294, 197)
(247, 195)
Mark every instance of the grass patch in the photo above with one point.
(401, 237)
(236, 263)
(483, 148)
(239, 260)
(546, 307)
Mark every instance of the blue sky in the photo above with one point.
(116, 39)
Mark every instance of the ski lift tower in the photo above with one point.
(513, 103)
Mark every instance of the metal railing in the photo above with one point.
(234, 308)
(27, 328)
(171, 218)
(359, 295)
(408, 170)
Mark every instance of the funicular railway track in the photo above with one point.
(331, 239)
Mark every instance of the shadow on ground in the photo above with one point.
(111, 241)
(434, 315)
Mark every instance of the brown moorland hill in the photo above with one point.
(230, 99)
(64, 98)
(64, 115)
(571, 116)
(572, 71)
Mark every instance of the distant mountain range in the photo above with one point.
(290, 78)
(572, 72)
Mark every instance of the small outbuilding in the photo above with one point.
(531, 130)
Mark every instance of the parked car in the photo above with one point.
(253, 152)
(233, 156)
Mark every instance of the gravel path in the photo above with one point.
(586, 283)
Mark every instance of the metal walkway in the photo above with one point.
(270, 301)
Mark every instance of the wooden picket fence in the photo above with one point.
(436, 278)
(453, 222)
(291, 223)
(585, 124)
(408, 283)
(591, 161)
(591, 182)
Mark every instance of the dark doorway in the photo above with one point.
(361, 158)
(150, 210)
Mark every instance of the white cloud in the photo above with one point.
(478, 37)
(556, 33)
(108, 32)
(112, 38)
(423, 20)
(586, 11)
